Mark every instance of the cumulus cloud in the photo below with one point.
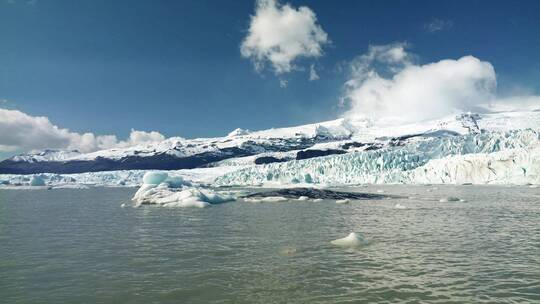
(280, 34)
(20, 131)
(436, 25)
(386, 83)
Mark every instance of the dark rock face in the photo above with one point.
(354, 144)
(305, 154)
(268, 160)
(155, 162)
(312, 193)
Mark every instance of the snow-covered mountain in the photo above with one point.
(465, 147)
(179, 153)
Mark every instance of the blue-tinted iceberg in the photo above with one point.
(37, 181)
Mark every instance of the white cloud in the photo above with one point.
(436, 25)
(313, 73)
(385, 83)
(283, 83)
(280, 34)
(21, 131)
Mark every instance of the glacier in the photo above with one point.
(488, 157)
(465, 148)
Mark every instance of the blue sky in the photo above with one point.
(175, 66)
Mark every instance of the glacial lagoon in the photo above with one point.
(81, 246)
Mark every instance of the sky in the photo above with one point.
(203, 68)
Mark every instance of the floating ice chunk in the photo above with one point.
(37, 181)
(318, 200)
(274, 199)
(399, 206)
(123, 205)
(177, 196)
(154, 178)
(352, 240)
(303, 198)
(343, 201)
(380, 191)
(252, 200)
(450, 199)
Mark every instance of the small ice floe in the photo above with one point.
(303, 198)
(274, 199)
(124, 205)
(252, 200)
(352, 240)
(534, 186)
(399, 206)
(160, 189)
(318, 200)
(343, 201)
(380, 191)
(450, 199)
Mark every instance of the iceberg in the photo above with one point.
(175, 192)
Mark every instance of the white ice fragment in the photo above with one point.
(449, 199)
(352, 240)
(154, 178)
(318, 200)
(380, 191)
(343, 201)
(252, 200)
(399, 206)
(303, 198)
(274, 199)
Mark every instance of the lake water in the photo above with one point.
(80, 246)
